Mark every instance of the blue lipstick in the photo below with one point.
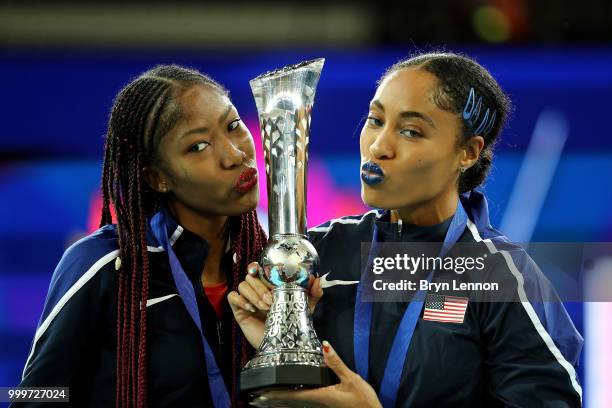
(371, 173)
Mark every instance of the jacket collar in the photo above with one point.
(173, 229)
(405, 232)
(474, 202)
(191, 249)
(476, 206)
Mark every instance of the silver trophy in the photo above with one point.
(290, 354)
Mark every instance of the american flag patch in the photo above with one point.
(446, 309)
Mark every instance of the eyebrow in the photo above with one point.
(224, 114)
(204, 129)
(407, 114)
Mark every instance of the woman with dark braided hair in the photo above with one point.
(136, 314)
(426, 147)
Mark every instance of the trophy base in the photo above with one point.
(288, 376)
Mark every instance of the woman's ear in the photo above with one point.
(155, 179)
(471, 148)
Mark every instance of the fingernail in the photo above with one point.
(260, 401)
(250, 308)
(252, 270)
(326, 347)
(263, 305)
(267, 298)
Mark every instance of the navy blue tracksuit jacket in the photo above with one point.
(508, 354)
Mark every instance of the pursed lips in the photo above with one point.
(246, 181)
(372, 173)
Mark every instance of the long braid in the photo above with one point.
(142, 345)
(248, 241)
(106, 213)
(122, 180)
(129, 218)
(141, 115)
(139, 317)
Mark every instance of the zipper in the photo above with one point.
(399, 227)
(220, 332)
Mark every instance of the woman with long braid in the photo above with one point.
(136, 314)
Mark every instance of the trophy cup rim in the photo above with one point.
(289, 68)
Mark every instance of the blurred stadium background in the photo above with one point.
(62, 63)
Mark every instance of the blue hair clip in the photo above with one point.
(471, 102)
(472, 108)
(483, 123)
(471, 112)
(488, 128)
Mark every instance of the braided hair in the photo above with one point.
(142, 113)
(462, 81)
